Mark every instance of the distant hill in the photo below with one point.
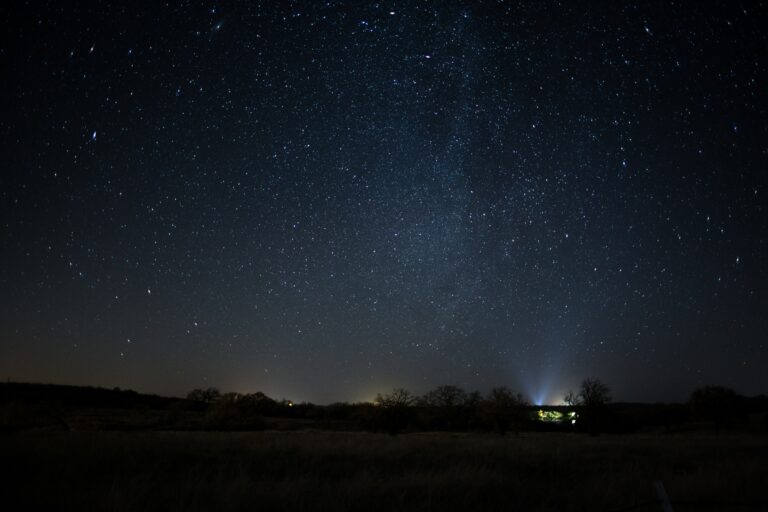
(82, 396)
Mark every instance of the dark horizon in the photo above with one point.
(327, 200)
(559, 402)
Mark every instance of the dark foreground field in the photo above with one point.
(359, 471)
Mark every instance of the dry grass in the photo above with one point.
(357, 471)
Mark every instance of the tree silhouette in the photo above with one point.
(505, 410)
(593, 393)
(448, 408)
(207, 396)
(399, 397)
(571, 398)
(445, 396)
(393, 409)
(593, 397)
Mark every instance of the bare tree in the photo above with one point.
(207, 396)
(399, 397)
(592, 398)
(571, 399)
(445, 396)
(448, 408)
(593, 393)
(394, 414)
(505, 409)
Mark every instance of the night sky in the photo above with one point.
(323, 200)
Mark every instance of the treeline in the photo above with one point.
(445, 408)
(450, 408)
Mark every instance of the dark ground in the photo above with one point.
(312, 470)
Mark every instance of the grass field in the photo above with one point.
(175, 471)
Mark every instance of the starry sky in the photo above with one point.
(323, 200)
